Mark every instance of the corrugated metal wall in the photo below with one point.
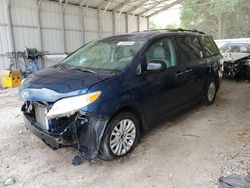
(5, 32)
(52, 30)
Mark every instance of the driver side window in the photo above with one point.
(162, 50)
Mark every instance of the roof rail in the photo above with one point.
(177, 30)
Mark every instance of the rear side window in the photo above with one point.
(189, 48)
(210, 48)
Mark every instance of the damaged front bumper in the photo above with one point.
(82, 130)
(53, 140)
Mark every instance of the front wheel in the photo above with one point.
(210, 92)
(120, 137)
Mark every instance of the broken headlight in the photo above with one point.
(70, 105)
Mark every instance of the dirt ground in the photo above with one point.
(189, 151)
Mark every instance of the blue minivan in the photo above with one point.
(100, 98)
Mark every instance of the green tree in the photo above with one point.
(220, 18)
(153, 26)
(172, 26)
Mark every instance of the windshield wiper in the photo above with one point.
(84, 70)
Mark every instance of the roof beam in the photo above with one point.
(152, 6)
(136, 6)
(119, 14)
(165, 7)
(103, 3)
(154, 2)
(121, 5)
(106, 8)
(81, 3)
(64, 6)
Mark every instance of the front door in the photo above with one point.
(161, 90)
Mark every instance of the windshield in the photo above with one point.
(104, 55)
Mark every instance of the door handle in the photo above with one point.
(179, 73)
(188, 70)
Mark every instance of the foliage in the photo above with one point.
(153, 26)
(172, 26)
(220, 18)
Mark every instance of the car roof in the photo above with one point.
(146, 35)
(236, 44)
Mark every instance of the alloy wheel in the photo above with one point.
(211, 91)
(122, 137)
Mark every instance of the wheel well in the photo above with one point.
(134, 110)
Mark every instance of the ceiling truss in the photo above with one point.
(144, 8)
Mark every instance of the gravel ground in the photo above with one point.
(188, 151)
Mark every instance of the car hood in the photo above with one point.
(53, 84)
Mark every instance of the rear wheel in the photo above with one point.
(120, 137)
(210, 92)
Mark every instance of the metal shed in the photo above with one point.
(61, 26)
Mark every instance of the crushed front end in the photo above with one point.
(237, 67)
(80, 130)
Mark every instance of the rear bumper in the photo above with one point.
(53, 140)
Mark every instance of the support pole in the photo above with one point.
(114, 18)
(83, 25)
(63, 33)
(126, 22)
(147, 23)
(63, 25)
(138, 23)
(99, 23)
(10, 28)
(39, 24)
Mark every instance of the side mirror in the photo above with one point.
(156, 65)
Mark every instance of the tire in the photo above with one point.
(210, 93)
(112, 136)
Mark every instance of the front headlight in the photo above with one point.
(69, 106)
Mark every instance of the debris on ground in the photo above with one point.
(235, 181)
(10, 181)
(77, 160)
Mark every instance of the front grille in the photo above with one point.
(58, 125)
(37, 112)
(41, 119)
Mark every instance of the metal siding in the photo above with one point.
(132, 26)
(72, 18)
(25, 23)
(3, 12)
(51, 15)
(73, 28)
(5, 46)
(90, 36)
(53, 41)
(51, 24)
(91, 22)
(120, 23)
(107, 22)
(24, 13)
(25, 37)
(74, 40)
(143, 24)
(5, 42)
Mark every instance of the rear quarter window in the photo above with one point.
(209, 46)
(189, 48)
